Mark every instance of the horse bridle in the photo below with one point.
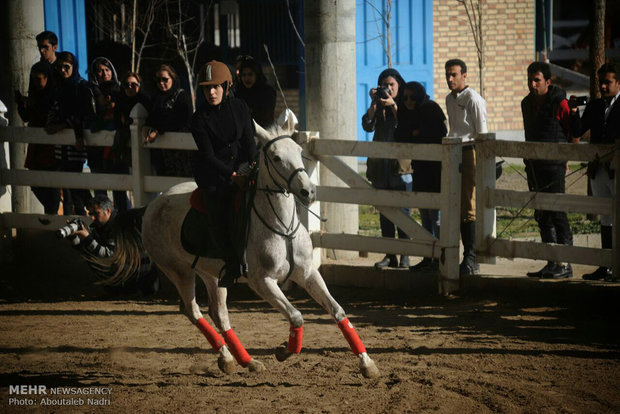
(270, 164)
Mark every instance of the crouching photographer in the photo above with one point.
(97, 244)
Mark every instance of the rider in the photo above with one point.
(224, 134)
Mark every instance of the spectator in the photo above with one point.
(224, 135)
(99, 241)
(171, 111)
(252, 87)
(72, 108)
(546, 119)
(421, 121)
(131, 94)
(387, 174)
(104, 87)
(47, 43)
(602, 118)
(34, 109)
(467, 116)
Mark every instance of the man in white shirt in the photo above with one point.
(467, 118)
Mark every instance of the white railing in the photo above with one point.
(359, 191)
(488, 197)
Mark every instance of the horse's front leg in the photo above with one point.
(268, 289)
(316, 287)
(219, 314)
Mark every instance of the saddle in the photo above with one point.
(199, 232)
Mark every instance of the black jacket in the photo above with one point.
(224, 135)
(170, 111)
(602, 131)
(429, 121)
(542, 125)
(261, 99)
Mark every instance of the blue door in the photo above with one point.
(67, 18)
(412, 47)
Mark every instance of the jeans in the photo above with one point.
(430, 220)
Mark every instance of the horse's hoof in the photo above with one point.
(282, 352)
(368, 367)
(255, 366)
(226, 365)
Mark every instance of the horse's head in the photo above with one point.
(281, 161)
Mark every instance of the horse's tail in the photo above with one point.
(129, 258)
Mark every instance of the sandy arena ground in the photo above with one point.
(533, 348)
(436, 354)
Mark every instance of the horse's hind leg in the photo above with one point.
(186, 286)
(219, 314)
(316, 287)
(268, 289)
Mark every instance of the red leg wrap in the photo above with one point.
(236, 349)
(351, 336)
(294, 339)
(211, 334)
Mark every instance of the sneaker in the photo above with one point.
(469, 267)
(404, 262)
(598, 274)
(549, 266)
(388, 261)
(564, 271)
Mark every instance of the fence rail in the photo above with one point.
(359, 191)
(488, 197)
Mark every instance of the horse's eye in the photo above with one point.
(277, 158)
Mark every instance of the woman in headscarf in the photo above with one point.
(253, 88)
(224, 135)
(421, 121)
(171, 111)
(387, 174)
(72, 108)
(34, 109)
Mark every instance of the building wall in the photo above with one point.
(509, 34)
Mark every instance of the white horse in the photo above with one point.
(274, 224)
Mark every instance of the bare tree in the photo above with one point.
(186, 45)
(109, 13)
(473, 9)
(597, 46)
(386, 21)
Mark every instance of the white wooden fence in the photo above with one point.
(359, 191)
(488, 197)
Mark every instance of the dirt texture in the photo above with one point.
(474, 354)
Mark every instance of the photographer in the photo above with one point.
(97, 238)
(387, 174)
(602, 118)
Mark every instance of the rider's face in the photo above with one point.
(214, 94)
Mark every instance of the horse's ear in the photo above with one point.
(262, 135)
(288, 121)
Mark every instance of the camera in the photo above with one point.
(581, 100)
(383, 92)
(71, 227)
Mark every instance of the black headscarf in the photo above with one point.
(396, 75)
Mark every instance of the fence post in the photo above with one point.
(140, 156)
(485, 210)
(451, 160)
(616, 212)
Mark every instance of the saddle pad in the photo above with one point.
(196, 238)
(196, 200)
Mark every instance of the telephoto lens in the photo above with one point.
(71, 227)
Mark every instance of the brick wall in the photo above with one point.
(509, 36)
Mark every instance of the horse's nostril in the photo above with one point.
(304, 193)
